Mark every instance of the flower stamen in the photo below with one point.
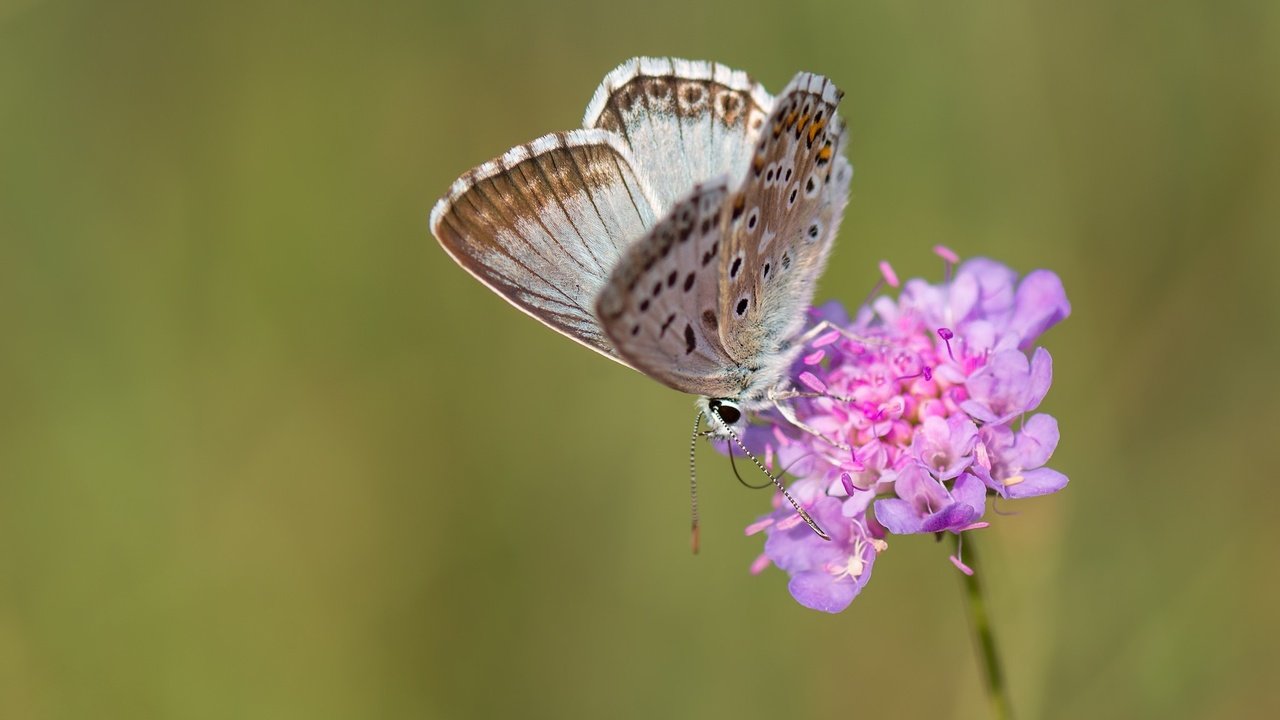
(950, 257)
(886, 271)
(946, 335)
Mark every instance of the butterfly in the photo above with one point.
(680, 232)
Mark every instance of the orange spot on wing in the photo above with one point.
(815, 128)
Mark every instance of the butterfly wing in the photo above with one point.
(544, 224)
(686, 122)
(659, 306)
(782, 222)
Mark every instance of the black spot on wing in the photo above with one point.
(670, 319)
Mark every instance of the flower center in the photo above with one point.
(853, 566)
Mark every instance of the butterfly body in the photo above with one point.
(681, 232)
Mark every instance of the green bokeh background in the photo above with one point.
(265, 452)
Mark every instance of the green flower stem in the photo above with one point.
(984, 640)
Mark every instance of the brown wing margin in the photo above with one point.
(543, 224)
(685, 121)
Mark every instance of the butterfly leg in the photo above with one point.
(789, 394)
(777, 397)
(826, 325)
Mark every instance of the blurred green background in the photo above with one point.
(265, 452)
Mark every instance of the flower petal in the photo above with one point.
(898, 516)
(819, 590)
(1036, 441)
(995, 282)
(1041, 481)
(1041, 377)
(1041, 303)
(953, 517)
(971, 492)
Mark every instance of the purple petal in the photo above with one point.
(832, 311)
(872, 455)
(915, 485)
(995, 282)
(1041, 378)
(982, 474)
(1008, 385)
(972, 492)
(886, 308)
(979, 411)
(965, 294)
(979, 336)
(952, 517)
(857, 503)
(819, 590)
(828, 512)
(923, 297)
(1041, 302)
(898, 517)
(798, 548)
(1036, 442)
(1040, 481)
(945, 446)
(790, 549)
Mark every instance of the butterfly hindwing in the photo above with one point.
(544, 224)
(782, 221)
(685, 121)
(659, 307)
(597, 234)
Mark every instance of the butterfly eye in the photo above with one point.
(728, 412)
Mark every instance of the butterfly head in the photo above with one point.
(727, 421)
(723, 415)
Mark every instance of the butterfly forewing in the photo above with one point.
(782, 221)
(746, 192)
(686, 122)
(659, 307)
(544, 225)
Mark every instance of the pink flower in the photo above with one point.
(912, 414)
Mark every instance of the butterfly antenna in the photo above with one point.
(728, 447)
(693, 482)
(778, 483)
